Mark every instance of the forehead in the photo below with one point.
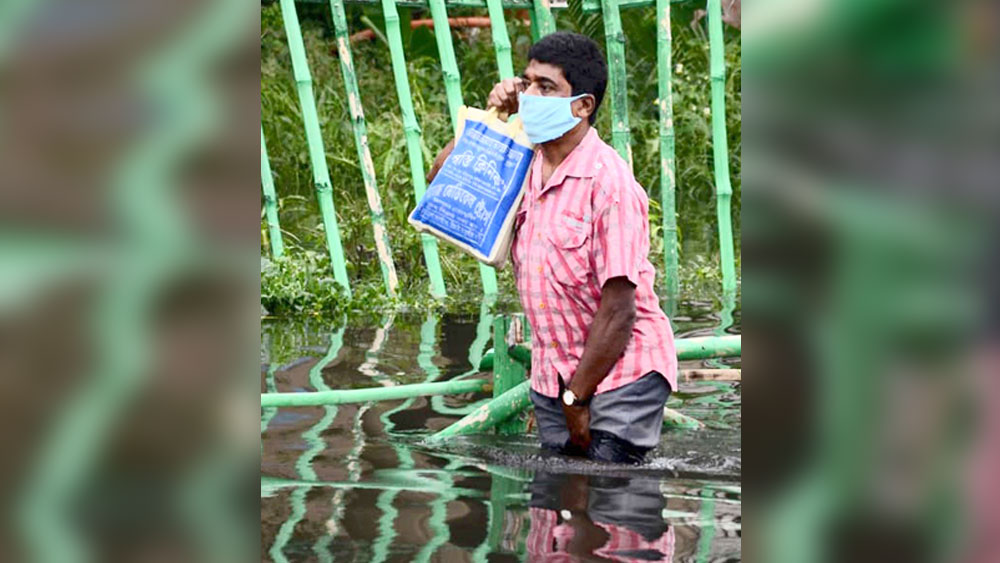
(537, 70)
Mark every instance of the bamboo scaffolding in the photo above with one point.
(270, 201)
(589, 6)
(668, 178)
(621, 136)
(720, 146)
(314, 138)
(453, 91)
(411, 129)
(382, 247)
(342, 396)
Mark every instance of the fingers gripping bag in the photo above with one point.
(472, 201)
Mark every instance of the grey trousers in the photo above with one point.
(624, 423)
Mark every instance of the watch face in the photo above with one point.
(569, 398)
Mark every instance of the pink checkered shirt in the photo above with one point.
(588, 224)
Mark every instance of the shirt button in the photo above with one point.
(541, 305)
(539, 269)
(555, 344)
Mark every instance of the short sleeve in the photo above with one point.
(621, 235)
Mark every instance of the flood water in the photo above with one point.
(356, 483)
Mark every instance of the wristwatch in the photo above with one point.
(571, 400)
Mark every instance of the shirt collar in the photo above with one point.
(579, 163)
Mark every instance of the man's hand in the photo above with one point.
(578, 423)
(504, 95)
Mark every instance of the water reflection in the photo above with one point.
(354, 482)
(598, 518)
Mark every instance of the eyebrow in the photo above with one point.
(544, 80)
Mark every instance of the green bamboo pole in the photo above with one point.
(270, 200)
(507, 374)
(720, 146)
(621, 136)
(668, 178)
(698, 348)
(314, 138)
(412, 131)
(501, 40)
(709, 347)
(542, 22)
(489, 415)
(516, 400)
(342, 396)
(382, 248)
(453, 90)
(675, 419)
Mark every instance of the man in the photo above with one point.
(603, 360)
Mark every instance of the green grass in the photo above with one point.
(301, 282)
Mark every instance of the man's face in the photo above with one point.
(544, 79)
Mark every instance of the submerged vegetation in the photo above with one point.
(301, 282)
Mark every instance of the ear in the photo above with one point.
(584, 107)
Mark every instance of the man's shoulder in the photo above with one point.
(613, 177)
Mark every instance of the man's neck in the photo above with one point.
(556, 150)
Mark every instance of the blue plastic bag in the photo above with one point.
(474, 197)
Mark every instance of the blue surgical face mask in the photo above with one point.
(546, 117)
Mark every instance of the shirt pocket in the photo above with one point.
(567, 256)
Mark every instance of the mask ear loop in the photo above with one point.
(578, 97)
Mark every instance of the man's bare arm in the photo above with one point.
(608, 338)
(609, 335)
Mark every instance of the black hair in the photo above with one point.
(581, 61)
